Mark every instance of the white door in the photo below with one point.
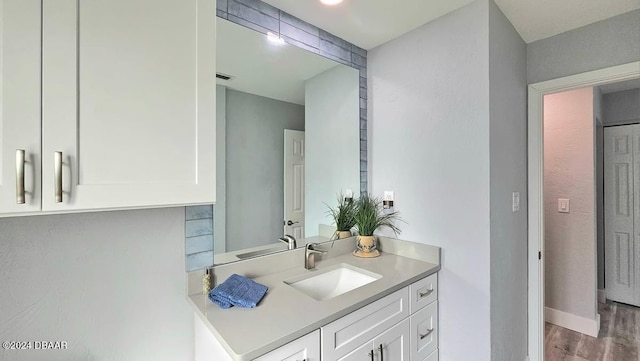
(294, 183)
(19, 105)
(622, 242)
(128, 99)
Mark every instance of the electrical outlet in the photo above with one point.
(348, 193)
(388, 196)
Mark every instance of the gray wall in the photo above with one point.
(110, 284)
(332, 152)
(508, 157)
(610, 42)
(622, 107)
(429, 143)
(255, 169)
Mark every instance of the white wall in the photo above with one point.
(570, 243)
(428, 124)
(332, 142)
(508, 106)
(111, 284)
(609, 42)
(255, 167)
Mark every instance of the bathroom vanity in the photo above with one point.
(346, 308)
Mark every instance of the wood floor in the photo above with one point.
(618, 340)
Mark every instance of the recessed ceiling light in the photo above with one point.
(331, 2)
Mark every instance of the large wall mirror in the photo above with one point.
(289, 142)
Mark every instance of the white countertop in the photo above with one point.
(285, 313)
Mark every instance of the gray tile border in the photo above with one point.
(222, 5)
(198, 227)
(247, 16)
(199, 212)
(199, 244)
(291, 20)
(198, 261)
(259, 6)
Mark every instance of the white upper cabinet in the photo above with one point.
(128, 104)
(19, 105)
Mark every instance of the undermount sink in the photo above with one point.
(261, 252)
(333, 281)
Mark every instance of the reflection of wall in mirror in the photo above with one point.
(254, 167)
(332, 142)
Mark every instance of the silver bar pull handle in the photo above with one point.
(425, 294)
(57, 170)
(20, 176)
(426, 334)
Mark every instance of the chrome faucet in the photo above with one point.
(310, 252)
(289, 240)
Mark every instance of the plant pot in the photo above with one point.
(366, 247)
(344, 234)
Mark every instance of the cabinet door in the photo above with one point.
(128, 90)
(393, 344)
(305, 348)
(19, 103)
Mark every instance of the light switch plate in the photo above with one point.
(515, 201)
(563, 205)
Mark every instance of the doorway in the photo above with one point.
(535, 191)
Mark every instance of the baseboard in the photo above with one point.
(573, 322)
(602, 296)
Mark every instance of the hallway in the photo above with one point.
(618, 340)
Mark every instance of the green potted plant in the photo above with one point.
(369, 217)
(343, 216)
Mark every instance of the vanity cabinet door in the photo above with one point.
(128, 101)
(306, 348)
(20, 105)
(350, 332)
(393, 344)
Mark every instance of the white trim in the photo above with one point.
(580, 324)
(535, 184)
(602, 296)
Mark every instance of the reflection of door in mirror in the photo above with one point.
(294, 183)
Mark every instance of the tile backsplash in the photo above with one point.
(199, 237)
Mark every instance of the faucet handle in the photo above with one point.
(289, 240)
(311, 248)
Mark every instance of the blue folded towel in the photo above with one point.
(237, 291)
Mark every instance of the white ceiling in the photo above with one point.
(369, 23)
(263, 68)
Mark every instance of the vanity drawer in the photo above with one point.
(423, 292)
(351, 331)
(305, 348)
(424, 332)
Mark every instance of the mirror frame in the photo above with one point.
(264, 18)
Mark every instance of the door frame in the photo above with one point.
(535, 147)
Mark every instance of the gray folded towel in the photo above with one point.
(237, 291)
